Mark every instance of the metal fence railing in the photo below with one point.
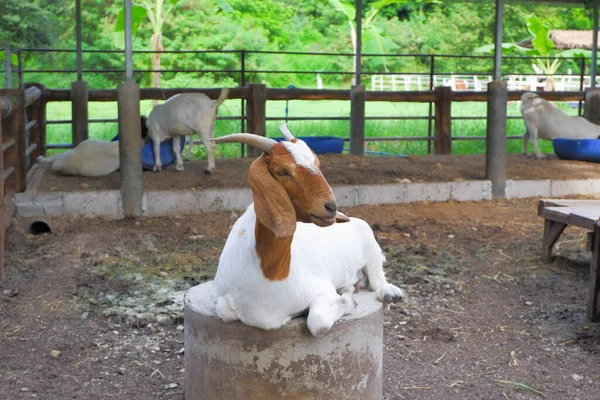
(244, 67)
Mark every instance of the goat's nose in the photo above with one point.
(331, 207)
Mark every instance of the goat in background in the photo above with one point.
(91, 158)
(181, 115)
(544, 120)
(292, 251)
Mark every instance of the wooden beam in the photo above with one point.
(2, 224)
(552, 231)
(256, 107)
(594, 285)
(442, 129)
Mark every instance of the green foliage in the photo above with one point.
(410, 27)
(27, 23)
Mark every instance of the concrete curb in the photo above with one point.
(164, 203)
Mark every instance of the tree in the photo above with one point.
(25, 24)
(374, 39)
(157, 12)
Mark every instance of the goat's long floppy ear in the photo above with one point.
(272, 205)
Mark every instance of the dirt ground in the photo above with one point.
(341, 170)
(98, 316)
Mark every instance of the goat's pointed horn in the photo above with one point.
(260, 142)
(286, 132)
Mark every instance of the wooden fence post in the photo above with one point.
(79, 108)
(37, 112)
(2, 224)
(357, 120)
(256, 110)
(14, 139)
(443, 127)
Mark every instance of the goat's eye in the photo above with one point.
(282, 172)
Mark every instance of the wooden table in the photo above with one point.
(557, 215)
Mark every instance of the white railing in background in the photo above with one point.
(474, 83)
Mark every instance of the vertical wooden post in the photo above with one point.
(79, 108)
(2, 224)
(594, 285)
(552, 231)
(592, 105)
(256, 110)
(17, 126)
(38, 133)
(357, 120)
(443, 128)
(495, 150)
(130, 149)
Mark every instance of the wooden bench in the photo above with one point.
(558, 214)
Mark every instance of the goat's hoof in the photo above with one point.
(389, 293)
(207, 172)
(179, 167)
(157, 168)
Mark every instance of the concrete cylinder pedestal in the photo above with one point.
(233, 361)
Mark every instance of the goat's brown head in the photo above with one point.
(287, 184)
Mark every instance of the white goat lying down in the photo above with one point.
(90, 158)
(181, 115)
(286, 253)
(546, 121)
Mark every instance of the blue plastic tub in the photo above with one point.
(577, 149)
(167, 155)
(321, 144)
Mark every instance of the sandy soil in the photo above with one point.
(484, 318)
(340, 170)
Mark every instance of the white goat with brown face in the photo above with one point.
(286, 253)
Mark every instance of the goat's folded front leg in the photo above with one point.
(326, 309)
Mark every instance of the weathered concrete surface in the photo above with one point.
(164, 203)
(233, 361)
(524, 189)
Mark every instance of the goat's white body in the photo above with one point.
(90, 158)
(544, 120)
(182, 115)
(323, 261)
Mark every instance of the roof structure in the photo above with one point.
(566, 39)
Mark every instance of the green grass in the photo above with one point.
(61, 133)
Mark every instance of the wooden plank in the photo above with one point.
(8, 144)
(145, 94)
(20, 146)
(594, 285)
(2, 223)
(256, 111)
(30, 149)
(585, 218)
(552, 231)
(413, 97)
(307, 94)
(79, 112)
(357, 120)
(572, 215)
(443, 121)
(567, 203)
(32, 93)
(7, 172)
